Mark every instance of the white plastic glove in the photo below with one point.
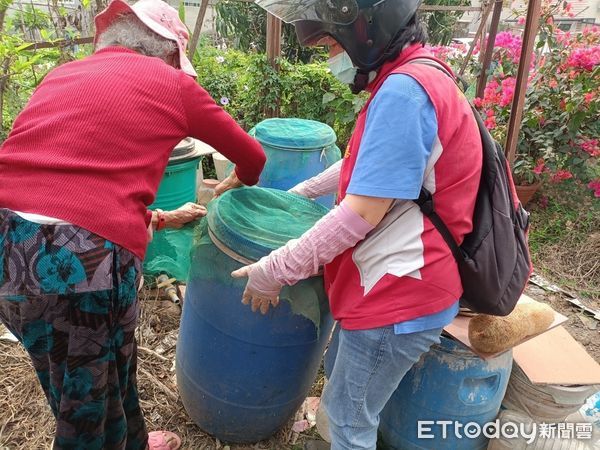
(262, 290)
(338, 230)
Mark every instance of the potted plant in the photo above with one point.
(561, 119)
(560, 131)
(527, 178)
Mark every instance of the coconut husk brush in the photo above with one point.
(494, 334)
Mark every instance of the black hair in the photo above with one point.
(414, 32)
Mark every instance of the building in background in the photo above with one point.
(192, 7)
(583, 13)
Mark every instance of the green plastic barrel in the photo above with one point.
(179, 183)
(169, 250)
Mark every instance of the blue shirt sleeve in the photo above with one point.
(399, 135)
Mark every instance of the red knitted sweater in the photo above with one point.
(92, 144)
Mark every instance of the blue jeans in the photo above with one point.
(364, 368)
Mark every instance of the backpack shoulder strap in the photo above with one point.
(425, 203)
(425, 200)
(461, 83)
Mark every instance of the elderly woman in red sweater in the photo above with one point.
(77, 173)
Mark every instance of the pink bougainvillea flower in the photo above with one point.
(563, 36)
(508, 90)
(510, 43)
(585, 58)
(594, 185)
(490, 121)
(491, 94)
(591, 147)
(589, 97)
(561, 175)
(541, 118)
(490, 124)
(521, 20)
(568, 9)
(540, 168)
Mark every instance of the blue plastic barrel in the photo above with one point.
(449, 383)
(296, 149)
(242, 375)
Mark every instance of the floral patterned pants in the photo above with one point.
(70, 298)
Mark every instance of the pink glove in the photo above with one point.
(339, 230)
(323, 184)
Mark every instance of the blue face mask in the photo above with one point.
(342, 68)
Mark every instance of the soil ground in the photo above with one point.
(26, 422)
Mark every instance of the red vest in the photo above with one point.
(403, 269)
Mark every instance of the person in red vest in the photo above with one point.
(392, 281)
(77, 173)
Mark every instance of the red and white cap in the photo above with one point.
(156, 15)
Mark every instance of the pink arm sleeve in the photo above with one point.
(323, 184)
(339, 230)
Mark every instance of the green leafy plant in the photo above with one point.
(249, 88)
(243, 25)
(559, 134)
(441, 25)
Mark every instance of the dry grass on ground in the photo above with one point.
(565, 250)
(26, 422)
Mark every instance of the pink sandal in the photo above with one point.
(163, 440)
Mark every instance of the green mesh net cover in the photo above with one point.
(255, 221)
(169, 252)
(245, 225)
(290, 133)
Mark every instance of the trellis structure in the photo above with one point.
(532, 23)
(494, 7)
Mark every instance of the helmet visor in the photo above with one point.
(338, 12)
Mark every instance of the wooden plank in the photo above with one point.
(431, 8)
(487, 9)
(459, 329)
(426, 8)
(273, 38)
(58, 43)
(489, 49)
(556, 358)
(273, 51)
(532, 23)
(197, 30)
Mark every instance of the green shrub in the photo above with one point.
(248, 87)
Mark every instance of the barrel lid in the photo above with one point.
(253, 221)
(184, 151)
(294, 134)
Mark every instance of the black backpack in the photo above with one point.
(493, 260)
